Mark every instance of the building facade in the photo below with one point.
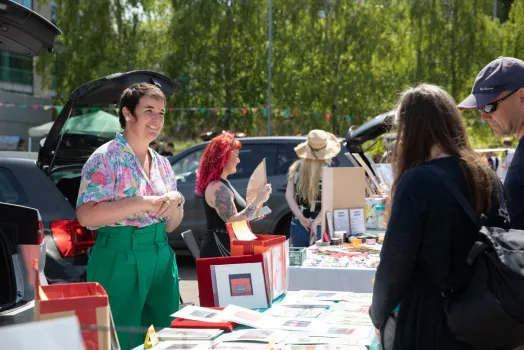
(21, 91)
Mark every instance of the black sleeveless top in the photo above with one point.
(214, 221)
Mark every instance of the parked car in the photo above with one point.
(368, 131)
(51, 183)
(279, 154)
(371, 130)
(21, 230)
(207, 136)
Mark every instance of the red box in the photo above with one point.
(88, 301)
(258, 246)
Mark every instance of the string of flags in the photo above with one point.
(286, 113)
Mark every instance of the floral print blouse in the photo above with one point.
(113, 172)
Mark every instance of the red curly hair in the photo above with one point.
(214, 160)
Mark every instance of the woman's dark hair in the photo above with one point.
(427, 116)
(132, 95)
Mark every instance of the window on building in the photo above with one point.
(26, 3)
(53, 13)
(16, 69)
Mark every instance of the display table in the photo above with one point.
(338, 268)
(371, 342)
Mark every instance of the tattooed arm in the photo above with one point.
(221, 198)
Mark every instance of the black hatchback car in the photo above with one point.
(279, 154)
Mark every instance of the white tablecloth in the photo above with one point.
(357, 280)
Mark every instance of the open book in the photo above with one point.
(256, 182)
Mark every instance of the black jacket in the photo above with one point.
(427, 240)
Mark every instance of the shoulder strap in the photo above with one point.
(449, 287)
(225, 182)
(460, 198)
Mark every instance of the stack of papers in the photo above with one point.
(304, 320)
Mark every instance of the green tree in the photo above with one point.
(100, 38)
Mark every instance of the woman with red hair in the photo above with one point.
(222, 203)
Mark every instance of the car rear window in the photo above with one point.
(11, 190)
(250, 157)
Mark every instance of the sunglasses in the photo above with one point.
(492, 107)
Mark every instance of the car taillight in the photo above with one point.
(71, 238)
(40, 232)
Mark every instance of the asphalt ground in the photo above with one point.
(188, 279)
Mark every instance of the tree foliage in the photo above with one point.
(334, 63)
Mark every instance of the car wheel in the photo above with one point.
(282, 227)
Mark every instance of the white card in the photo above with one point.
(341, 220)
(197, 313)
(353, 335)
(295, 312)
(243, 316)
(255, 335)
(322, 295)
(293, 324)
(188, 333)
(357, 219)
(183, 345)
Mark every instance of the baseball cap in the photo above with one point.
(502, 74)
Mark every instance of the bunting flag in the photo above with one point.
(217, 111)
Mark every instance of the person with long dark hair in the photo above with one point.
(428, 236)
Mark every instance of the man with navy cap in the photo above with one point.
(498, 93)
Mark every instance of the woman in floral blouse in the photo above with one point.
(128, 193)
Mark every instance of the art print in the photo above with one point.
(240, 284)
(197, 313)
(180, 334)
(297, 323)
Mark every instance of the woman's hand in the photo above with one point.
(377, 332)
(305, 222)
(263, 195)
(166, 204)
(313, 232)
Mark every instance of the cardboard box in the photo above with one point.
(342, 188)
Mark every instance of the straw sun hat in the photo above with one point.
(320, 145)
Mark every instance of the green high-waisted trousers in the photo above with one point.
(137, 268)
